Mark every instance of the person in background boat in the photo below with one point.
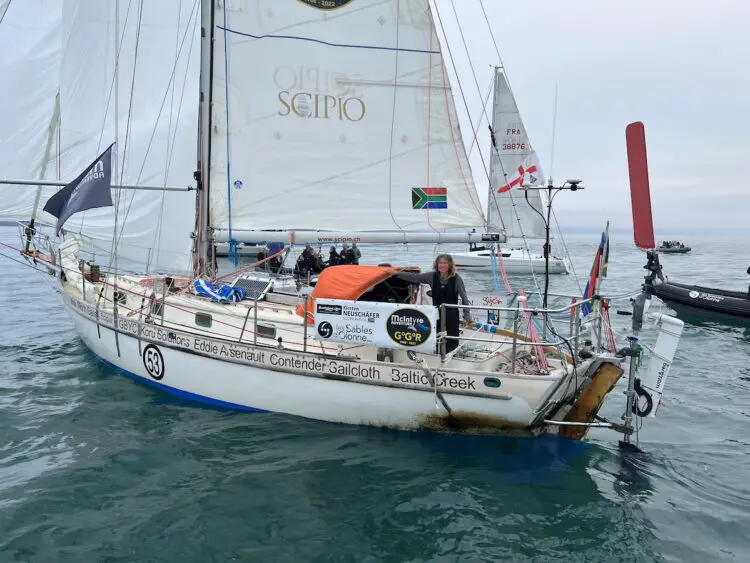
(356, 254)
(306, 262)
(473, 247)
(275, 263)
(446, 286)
(320, 264)
(262, 256)
(333, 257)
(347, 257)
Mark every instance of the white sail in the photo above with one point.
(329, 118)
(157, 93)
(30, 48)
(513, 165)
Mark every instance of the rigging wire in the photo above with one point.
(129, 123)
(5, 11)
(492, 35)
(118, 237)
(460, 87)
(491, 188)
(429, 115)
(117, 52)
(466, 48)
(119, 40)
(497, 51)
(474, 130)
(233, 252)
(393, 118)
(173, 137)
(557, 224)
(158, 116)
(115, 152)
(482, 116)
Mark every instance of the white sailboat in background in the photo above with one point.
(519, 212)
(324, 121)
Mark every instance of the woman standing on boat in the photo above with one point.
(446, 287)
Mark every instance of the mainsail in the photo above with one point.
(514, 164)
(334, 116)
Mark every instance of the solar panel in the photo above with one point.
(255, 288)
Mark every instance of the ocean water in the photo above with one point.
(95, 467)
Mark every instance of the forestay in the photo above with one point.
(335, 115)
(159, 66)
(513, 165)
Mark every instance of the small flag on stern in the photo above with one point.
(429, 198)
(91, 189)
(598, 271)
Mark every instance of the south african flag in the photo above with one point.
(429, 198)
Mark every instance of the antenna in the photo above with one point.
(554, 127)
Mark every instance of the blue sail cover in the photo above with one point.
(224, 294)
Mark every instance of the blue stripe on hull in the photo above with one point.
(179, 392)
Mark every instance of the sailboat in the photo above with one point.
(514, 167)
(321, 121)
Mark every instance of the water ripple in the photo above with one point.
(94, 467)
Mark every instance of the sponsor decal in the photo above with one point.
(408, 327)
(153, 361)
(325, 329)
(328, 309)
(326, 4)
(706, 296)
(321, 106)
(662, 374)
(418, 377)
(488, 300)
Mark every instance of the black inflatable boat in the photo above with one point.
(734, 303)
(707, 299)
(673, 247)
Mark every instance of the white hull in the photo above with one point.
(515, 261)
(324, 386)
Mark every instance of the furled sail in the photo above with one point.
(514, 164)
(30, 48)
(157, 116)
(335, 115)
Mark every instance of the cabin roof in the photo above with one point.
(348, 282)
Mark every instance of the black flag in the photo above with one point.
(90, 190)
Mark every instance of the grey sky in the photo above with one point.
(680, 66)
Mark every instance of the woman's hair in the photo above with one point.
(451, 266)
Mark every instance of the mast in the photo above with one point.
(202, 260)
